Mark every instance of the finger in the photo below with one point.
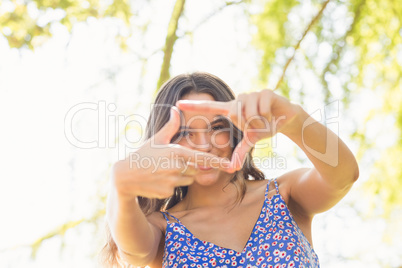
(264, 104)
(177, 167)
(164, 189)
(211, 107)
(240, 153)
(252, 115)
(236, 112)
(189, 169)
(185, 180)
(251, 105)
(174, 181)
(166, 133)
(197, 158)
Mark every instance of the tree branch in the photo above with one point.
(61, 230)
(212, 14)
(171, 38)
(296, 47)
(339, 47)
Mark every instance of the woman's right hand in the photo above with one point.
(158, 166)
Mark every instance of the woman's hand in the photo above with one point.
(259, 115)
(154, 170)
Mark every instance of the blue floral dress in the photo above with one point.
(276, 241)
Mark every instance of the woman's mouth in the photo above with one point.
(204, 167)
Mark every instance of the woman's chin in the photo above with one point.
(207, 178)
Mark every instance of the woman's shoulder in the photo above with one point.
(287, 183)
(287, 180)
(255, 192)
(157, 219)
(281, 184)
(255, 185)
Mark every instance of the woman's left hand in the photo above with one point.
(259, 115)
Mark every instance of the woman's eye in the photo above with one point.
(178, 136)
(185, 133)
(218, 127)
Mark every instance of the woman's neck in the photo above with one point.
(220, 194)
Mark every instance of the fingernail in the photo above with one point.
(230, 169)
(234, 167)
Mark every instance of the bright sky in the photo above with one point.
(46, 181)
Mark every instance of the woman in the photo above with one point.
(202, 203)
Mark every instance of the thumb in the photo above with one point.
(166, 133)
(240, 154)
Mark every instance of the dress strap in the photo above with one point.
(276, 186)
(267, 189)
(165, 214)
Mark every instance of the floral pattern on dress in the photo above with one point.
(276, 241)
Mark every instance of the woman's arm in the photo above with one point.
(335, 168)
(136, 238)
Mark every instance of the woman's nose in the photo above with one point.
(202, 141)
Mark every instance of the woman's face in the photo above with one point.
(206, 133)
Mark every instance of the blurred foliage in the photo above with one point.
(364, 57)
(28, 23)
(271, 25)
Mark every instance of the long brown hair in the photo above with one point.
(172, 91)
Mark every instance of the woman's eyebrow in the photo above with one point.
(219, 119)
